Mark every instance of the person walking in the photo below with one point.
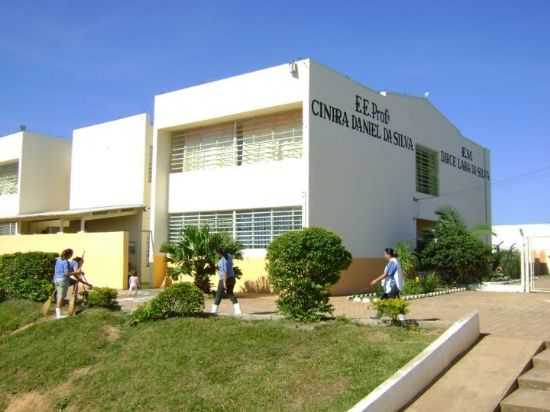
(226, 282)
(134, 284)
(392, 278)
(62, 272)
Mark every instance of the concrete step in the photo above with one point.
(536, 378)
(542, 360)
(526, 400)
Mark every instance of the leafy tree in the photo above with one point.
(195, 254)
(454, 252)
(302, 265)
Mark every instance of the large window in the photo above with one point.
(7, 228)
(427, 171)
(265, 138)
(9, 174)
(254, 228)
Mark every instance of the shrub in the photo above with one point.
(509, 262)
(391, 308)
(180, 299)
(429, 282)
(302, 265)
(457, 255)
(27, 275)
(407, 258)
(195, 254)
(3, 295)
(103, 298)
(412, 287)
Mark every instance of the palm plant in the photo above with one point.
(194, 254)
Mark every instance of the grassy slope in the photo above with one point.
(199, 364)
(17, 313)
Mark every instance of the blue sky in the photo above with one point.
(68, 64)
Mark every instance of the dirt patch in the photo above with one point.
(111, 333)
(30, 402)
(378, 336)
(38, 402)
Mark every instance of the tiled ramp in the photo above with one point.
(481, 378)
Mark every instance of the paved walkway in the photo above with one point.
(501, 314)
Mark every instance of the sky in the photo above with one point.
(486, 64)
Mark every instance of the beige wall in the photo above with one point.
(106, 256)
(44, 173)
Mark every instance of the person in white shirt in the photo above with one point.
(134, 285)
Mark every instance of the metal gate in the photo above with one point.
(535, 264)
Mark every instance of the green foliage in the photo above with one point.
(302, 265)
(391, 308)
(412, 287)
(103, 298)
(453, 252)
(178, 300)
(407, 258)
(424, 283)
(27, 275)
(195, 254)
(429, 282)
(507, 262)
(3, 295)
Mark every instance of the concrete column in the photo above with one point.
(61, 226)
(82, 225)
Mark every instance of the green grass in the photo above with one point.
(96, 362)
(16, 313)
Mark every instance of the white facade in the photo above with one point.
(110, 163)
(43, 170)
(364, 187)
(347, 180)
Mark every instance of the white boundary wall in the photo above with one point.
(404, 385)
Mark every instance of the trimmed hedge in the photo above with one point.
(180, 299)
(302, 265)
(103, 298)
(27, 275)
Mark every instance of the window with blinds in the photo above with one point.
(216, 221)
(264, 138)
(254, 228)
(9, 176)
(427, 171)
(7, 228)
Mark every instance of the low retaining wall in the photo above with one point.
(404, 385)
(106, 260)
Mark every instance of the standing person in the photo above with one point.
(226, 282)
(62, 272)
(392, 277)
(133, 283)
(76, 265)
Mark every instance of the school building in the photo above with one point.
(292, 146)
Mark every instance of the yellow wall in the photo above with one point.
(355, 279)
(106, 260)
